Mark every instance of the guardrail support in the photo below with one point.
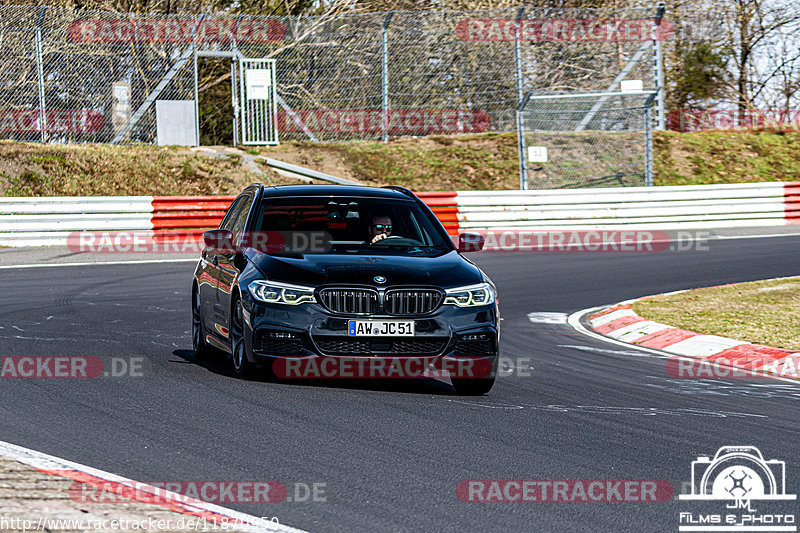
(303, 172)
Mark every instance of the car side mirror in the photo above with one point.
(470, 242)
(220, 241)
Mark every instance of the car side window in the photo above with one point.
(230, 216)
(241, 217)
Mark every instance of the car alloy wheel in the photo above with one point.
(241, 365)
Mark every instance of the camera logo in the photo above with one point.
(738, 473)
(740, 492)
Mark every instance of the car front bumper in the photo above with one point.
(309, 331)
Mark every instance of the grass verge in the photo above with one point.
(439, 162)
(706, 158)
(761, 312)
(28, 169)
(434, 163)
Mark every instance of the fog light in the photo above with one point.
(475, 337)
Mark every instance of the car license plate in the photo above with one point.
(380, 328)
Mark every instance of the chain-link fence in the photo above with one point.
(87, 76)
(586, 140)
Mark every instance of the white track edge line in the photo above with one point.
(35, 459)
(574, 321)
(101, 263)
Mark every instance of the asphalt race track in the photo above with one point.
(391, 454)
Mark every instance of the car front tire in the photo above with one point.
(242, 366)
(476, 386)
(200, 348)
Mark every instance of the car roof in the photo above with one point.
(333, 190)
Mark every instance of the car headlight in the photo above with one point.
(272, 292)
(471, 296)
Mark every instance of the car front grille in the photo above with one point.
(350, 301)
(337, 345)
(397, 302)
(412, 301)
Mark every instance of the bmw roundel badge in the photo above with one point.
(379, 279)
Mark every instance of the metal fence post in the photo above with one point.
(518, 56)
(196, 99)
(234, 101)
(523, 170)
(648, 146)
(385, 75)
(658, 65)
(195, 31)
(40, 75)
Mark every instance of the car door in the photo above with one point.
(227, 269)
(208, 280)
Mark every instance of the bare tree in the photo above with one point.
(751, 30)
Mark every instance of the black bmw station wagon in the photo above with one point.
(300, 274)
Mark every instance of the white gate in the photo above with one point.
(258, 114)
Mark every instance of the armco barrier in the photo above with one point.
(691, 206)
(48, 221)
(445, 206)
(187, 216)
(178, 216)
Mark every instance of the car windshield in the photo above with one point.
(349, 224)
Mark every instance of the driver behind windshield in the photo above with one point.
(380, 228)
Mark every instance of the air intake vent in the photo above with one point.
(332, 345)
